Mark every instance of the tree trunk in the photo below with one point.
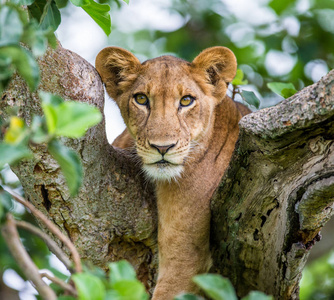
(277, 194)
(266, 213)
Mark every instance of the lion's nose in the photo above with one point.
(162, 149)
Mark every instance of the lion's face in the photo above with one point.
(167, 103)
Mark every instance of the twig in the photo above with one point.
(52, 227)
(65, 286)
(235, 91)
(23, 259)
(52, 245)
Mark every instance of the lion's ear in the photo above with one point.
(116, 66)
(220, 66)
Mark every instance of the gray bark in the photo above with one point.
(277, 194)
(114, 216)
(266, 214)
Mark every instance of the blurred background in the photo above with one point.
(279, 40)
(274, 41)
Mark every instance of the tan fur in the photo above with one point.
(203, 135)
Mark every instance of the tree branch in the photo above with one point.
(277, 193)
(24, 261)
(49, 242)
(64, 239)
(67, 287)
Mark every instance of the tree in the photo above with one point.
(267, 212)
(270, 205)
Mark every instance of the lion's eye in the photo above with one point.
(186, 101)
(141, 99)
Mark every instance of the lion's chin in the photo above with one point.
(163, 171)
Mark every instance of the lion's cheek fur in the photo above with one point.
(200, 120)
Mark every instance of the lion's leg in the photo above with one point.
(183, 236)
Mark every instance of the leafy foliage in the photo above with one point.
(98, 12)
(68, 118)
(11, 154)
(318, 279)
(89, 286)
(122, 284)
(285, 90)
(265, 36)
(250, 98)
(16, 28)
(220, 288)
(62, 118)
(215, 286)
(34, 27)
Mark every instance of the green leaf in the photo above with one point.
(215, 286)
(46, 13)
(35, 38)
(188, 297)
(11, 154)
(36, 9)
(6, 204)
(53, 42)
(66, 298)
(80, 3)
(11, 27)
(279, 6)
(256, 295)
(121, 270)
(89, 287)
(74, 118)
(285, 90)
(124, 283)
(127, 1)
(69, 163)
(6, 71)
(51, 16)
(250, 98)
(98, 12)
(68, 118)
(6, 201)
(50, 105)
(25, 64)
(238, 79)
(130, 290)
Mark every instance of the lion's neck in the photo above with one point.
(184, 206)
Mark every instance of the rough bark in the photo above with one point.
(277, 194)
(267, 212)
(114, 216)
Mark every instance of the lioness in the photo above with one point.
(184, 129)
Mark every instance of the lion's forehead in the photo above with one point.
(167, 75)
(166, 60)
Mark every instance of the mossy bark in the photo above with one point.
(266, 214)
